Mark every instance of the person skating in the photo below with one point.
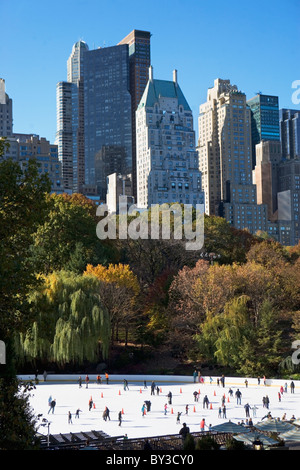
(205, 402)
(238, 395)
(52, 406)
(126, 384)
(247, 410)
(87, 379)
(90, 403)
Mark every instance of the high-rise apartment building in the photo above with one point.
(139, 63)
(70, 120)
(64, 131)
(289, 120)
(167, 161)
(225, 158)
(264, 119)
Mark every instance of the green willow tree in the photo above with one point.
(72, 325)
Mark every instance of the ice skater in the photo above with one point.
(52, 406)
(247, 410)
(70, 418)
(126, 385)
(87, 379)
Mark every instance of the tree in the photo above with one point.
(118, 289)
(70, 324)
(22, 209)
(67, 239)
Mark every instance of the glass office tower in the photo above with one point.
(107, 109)
(264, 120)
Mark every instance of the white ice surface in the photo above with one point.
(69, 397)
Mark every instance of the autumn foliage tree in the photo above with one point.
(118, 289)
(237, 315)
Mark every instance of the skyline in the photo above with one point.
(255, 47)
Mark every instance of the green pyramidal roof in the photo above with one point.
(162, 88)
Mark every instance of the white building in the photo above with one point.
(167, 161)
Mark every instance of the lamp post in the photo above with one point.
(257, 444)
(45, 422)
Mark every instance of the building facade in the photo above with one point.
(289, 201)
(107, 107)
(225, 158)
(265, 175)
(6, 112)
(289, 120)
(118, 186)
(264, 119)
(70, 121)
(167, 161)
(139, 63)
(45, 154)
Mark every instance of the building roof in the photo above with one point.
(156, 89)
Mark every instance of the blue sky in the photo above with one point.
(254, 44)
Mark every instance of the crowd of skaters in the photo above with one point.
(156, 390)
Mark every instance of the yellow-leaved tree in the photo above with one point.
(118, 288)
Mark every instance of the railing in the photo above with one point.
(101, 441)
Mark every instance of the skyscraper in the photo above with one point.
(289, 120)
(107, 110)
(225, 158)
(167, 161)
(264, 119)
(139, 63)
(64, 131)
(70, 120)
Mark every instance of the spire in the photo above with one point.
(175, 76)
(151, 73)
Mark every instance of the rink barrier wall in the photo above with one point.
(158, 379)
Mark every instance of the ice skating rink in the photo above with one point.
(70, 397)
